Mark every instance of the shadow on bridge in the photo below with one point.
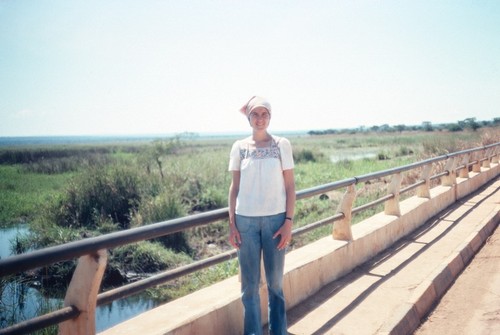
(350, 298)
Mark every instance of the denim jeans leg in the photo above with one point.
(274, 262)
(249, 256)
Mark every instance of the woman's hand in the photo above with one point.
(234, 236)
(285, 232)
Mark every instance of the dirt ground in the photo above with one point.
(472, 304)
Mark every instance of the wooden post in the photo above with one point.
(342, 228)
(424, 190)
(451, 178)
(392, 205)
(82, 293)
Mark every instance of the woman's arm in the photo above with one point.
(234, 235)
(286, 229)
(289, 177)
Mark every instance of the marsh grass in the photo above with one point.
(22, 193)
(195, 281)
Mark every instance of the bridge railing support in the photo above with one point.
(424, 190)
(342, 228)
(82, 294)
(476, 167)
(486, 162)
(392, 205)
(464, 172)
(450, 178)
(495, 154)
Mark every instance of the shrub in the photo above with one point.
(382, 156)
(490, 136)
(442, 145)
(454, 127)
(306, 155)
(43, 233)
(210, 198)
(147, 257)
(161, 208)
(404, 151)
(99, 193)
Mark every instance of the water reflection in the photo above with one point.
(352, 156)
(21, 301)
(7, 236)
(121, 310)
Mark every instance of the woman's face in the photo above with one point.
(259, 118)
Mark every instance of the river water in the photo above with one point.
(352, 156)
(22, 302)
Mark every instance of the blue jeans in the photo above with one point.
(256, 239)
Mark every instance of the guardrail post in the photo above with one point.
(451, 178)
(424, 190)
(495, 152)
(392, 205)
(477, 165)
(464, 172)
(486, 162)
(82, 293)
(342, 228)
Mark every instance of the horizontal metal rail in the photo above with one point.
(141, 285)
(43, 321)
(71, 250)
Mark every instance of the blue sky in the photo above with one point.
(154, 67)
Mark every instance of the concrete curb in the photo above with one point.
(436, 284)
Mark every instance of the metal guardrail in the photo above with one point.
(475, 157)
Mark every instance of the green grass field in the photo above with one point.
(22, 193)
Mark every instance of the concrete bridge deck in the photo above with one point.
(388, 294)
(393, 292)
(472, 304)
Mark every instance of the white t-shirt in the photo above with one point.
(262, 187)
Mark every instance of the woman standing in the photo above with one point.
(261, 209)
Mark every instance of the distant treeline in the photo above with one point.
(467, 124)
